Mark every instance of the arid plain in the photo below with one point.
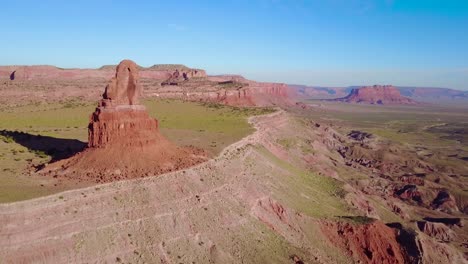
(277, 176)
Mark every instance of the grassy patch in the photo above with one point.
(208, 126)
(6, 139)
(304, 191)
(360, 220)
(287, 143)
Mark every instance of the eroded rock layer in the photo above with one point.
(127, 126)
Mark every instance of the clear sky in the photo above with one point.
(327, 42)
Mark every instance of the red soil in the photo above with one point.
(369, 243)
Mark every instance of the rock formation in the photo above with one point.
(376, 94)
(123, 140)
(119, 115)
(255, 94)
(123, 89)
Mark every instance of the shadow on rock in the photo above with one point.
(408, 240)
(56, 148)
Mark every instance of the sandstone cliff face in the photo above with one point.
(251, 93)
(258, 94)
(376, 94)
(127, 126)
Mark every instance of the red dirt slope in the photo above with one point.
(367, 243)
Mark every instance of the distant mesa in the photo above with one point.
(48, 72)
(123, 140)
(377, 94)
(175, 81)
(419, 94)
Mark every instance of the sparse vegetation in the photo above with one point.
(305, 191)
(361, 220)
(286, 142)
(6, 139)
(40, 154)
(209, 126)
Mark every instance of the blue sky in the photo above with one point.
(328, 42)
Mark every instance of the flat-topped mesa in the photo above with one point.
(377, 94)
(119, 119)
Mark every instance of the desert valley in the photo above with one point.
(168, 164)
(243, 132)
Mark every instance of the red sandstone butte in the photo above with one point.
(123, 140)
(376, 94)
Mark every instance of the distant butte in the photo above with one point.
(377, 94)
(123, 140)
